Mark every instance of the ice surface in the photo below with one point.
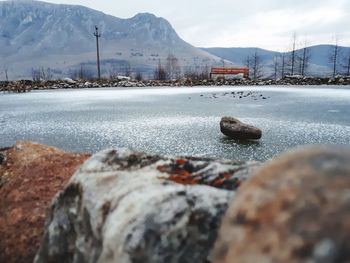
(176, 121)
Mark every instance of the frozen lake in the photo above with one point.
(178, 121)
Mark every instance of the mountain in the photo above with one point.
(319, 57)
(36, 34)
(239, 55)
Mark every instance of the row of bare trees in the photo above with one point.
(197, 73)
(294, 62)
(170, 71)
(42, 73)
(5, 73)
(338, 59)
(86, 72)
(297, 61)
(190, 73)
(254, 63)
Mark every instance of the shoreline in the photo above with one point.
(22, 86)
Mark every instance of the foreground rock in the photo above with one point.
(30, 176)
(122, 206)
(238, 130)
(296, 209)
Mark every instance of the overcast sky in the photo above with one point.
(245, 23)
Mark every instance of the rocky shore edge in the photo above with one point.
(125, 206)
(29, 85)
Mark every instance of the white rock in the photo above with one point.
(122, 207)
(120, 78)
(69, 80)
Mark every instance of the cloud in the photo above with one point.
(271, 26)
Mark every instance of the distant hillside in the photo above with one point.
(239, 55)
(319, 57)
(36, 34)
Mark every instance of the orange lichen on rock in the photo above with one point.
(30, 175)
(183, 178)
(194, 172)
(181, 161)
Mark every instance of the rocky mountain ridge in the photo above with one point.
(36, 34)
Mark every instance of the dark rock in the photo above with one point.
(235, 129)
(122, 206)
(295, 209)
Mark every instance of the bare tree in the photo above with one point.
(7, 75)
(275, 66)
(283, 67)
(247, 63)
(5, 72)
(172, 67)
(347, 68)
(139, 76)
(190, 73)
(293, 53)
(299, 62)
(346, 63)
(42, 74)
(113, 73)
(256, 66)
(122, 68)
(334, 57)
(127, 70)
(160, 72)
(82, 73)
(36, 74)
(253, 63)
(46, 74)
(305, 59)
(204, 73)
(197, 74)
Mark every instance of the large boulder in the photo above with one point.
(122, 206)
(236, 129)
(295, 209)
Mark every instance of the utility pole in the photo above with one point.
(98, 35)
